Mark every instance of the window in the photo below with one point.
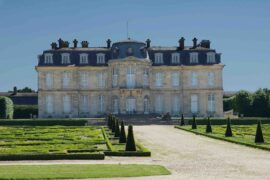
(194, 79)
(100, 104)
(49, 104)
(100, 58)
(159, 104)
(211, 103)
(175, 104)
(48, 58)
(158, 58)
(193, 58)
(194, 103)
(211, 79)
(115, 105)
(211, 57)
(146, 105)
(49, 80)
(84, 103)
(175, 79)
(130, 77)
(66, 79)
(175, 58)
(145, 77)
(101, 80)
(66, 104)
(159, 79)
(114, 77)
(84, 80)
(65, 58)
(84, 58)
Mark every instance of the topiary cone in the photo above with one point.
(194, 123)
(259, 133)
(182, 122)
(228, 132)
(130, 146)
(113, 124)
(110, 121)
(208, 126)
(123, 138)
(117, 130)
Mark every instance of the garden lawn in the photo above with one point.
(79, 171)
(242, 134)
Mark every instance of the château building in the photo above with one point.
(129, 77)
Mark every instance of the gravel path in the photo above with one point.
(188, 156)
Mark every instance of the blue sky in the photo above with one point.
(240, 30)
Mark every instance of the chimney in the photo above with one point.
(65, 44)
(14, 90)
(60, 42)
(148, 41)
(84, 44)
(109, 43)
(194, 42)
(182, 43)
(75, 43)
(205, 44)
(54, 45)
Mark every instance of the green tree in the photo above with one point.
(123, 138)
(260, 103)
(243, 103)
(228, 132)
(130, 146)
(194, 123)
(6, 108)
(208, 126)
(259, 133)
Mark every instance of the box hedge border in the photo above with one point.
(38, 122)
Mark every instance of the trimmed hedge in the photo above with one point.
(6, 108)
(233, 121)
(15, 157)
(37, 122)
(24, 111)
(127, 153)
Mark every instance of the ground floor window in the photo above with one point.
(115, 105)
(49, 103)
(159, 104)
(66, 104)
(130, 105)
(211, 103)
(175, 104)
(84, 103)
(101, 104)
(194, 103)
(146, 105)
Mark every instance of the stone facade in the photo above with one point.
(128, 85)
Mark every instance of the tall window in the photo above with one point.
(175, 58)
(158, 58)
(175, 79)
(49, 104)
(66, 79)
(159, 104)
(49, 80)
(65, 58)
(146, 105)
(211, 57)
(101, 80)
(66, 104)
(194, 103)
(115, 105)
(130, 77)
(84, 103)
(145, 77)
(211, 78)
(84, 80)
(100, 104)
(48, 58)
(115, 77)
(100, 58)
(194, 79)
(84, 58)
(194, 58)
(211, 103)
(175, 104)
(159, 79)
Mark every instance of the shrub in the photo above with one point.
(259, 134)
(117, 130)
(208, 126)
(166, 117)
(194, 123)
(182, 122)
(123, 138)
(228, 132)
(130, 146)
(6, 108)
(25, 111)
(39, 122)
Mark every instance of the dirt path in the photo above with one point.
(189, 156)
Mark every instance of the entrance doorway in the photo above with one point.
(130, 105)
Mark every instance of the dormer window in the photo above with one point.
(48, 58)
(65, 58)
(194, 58)
(211, 57)
(158, 58)
(175, 58)
(83, 58)
(100, 58)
